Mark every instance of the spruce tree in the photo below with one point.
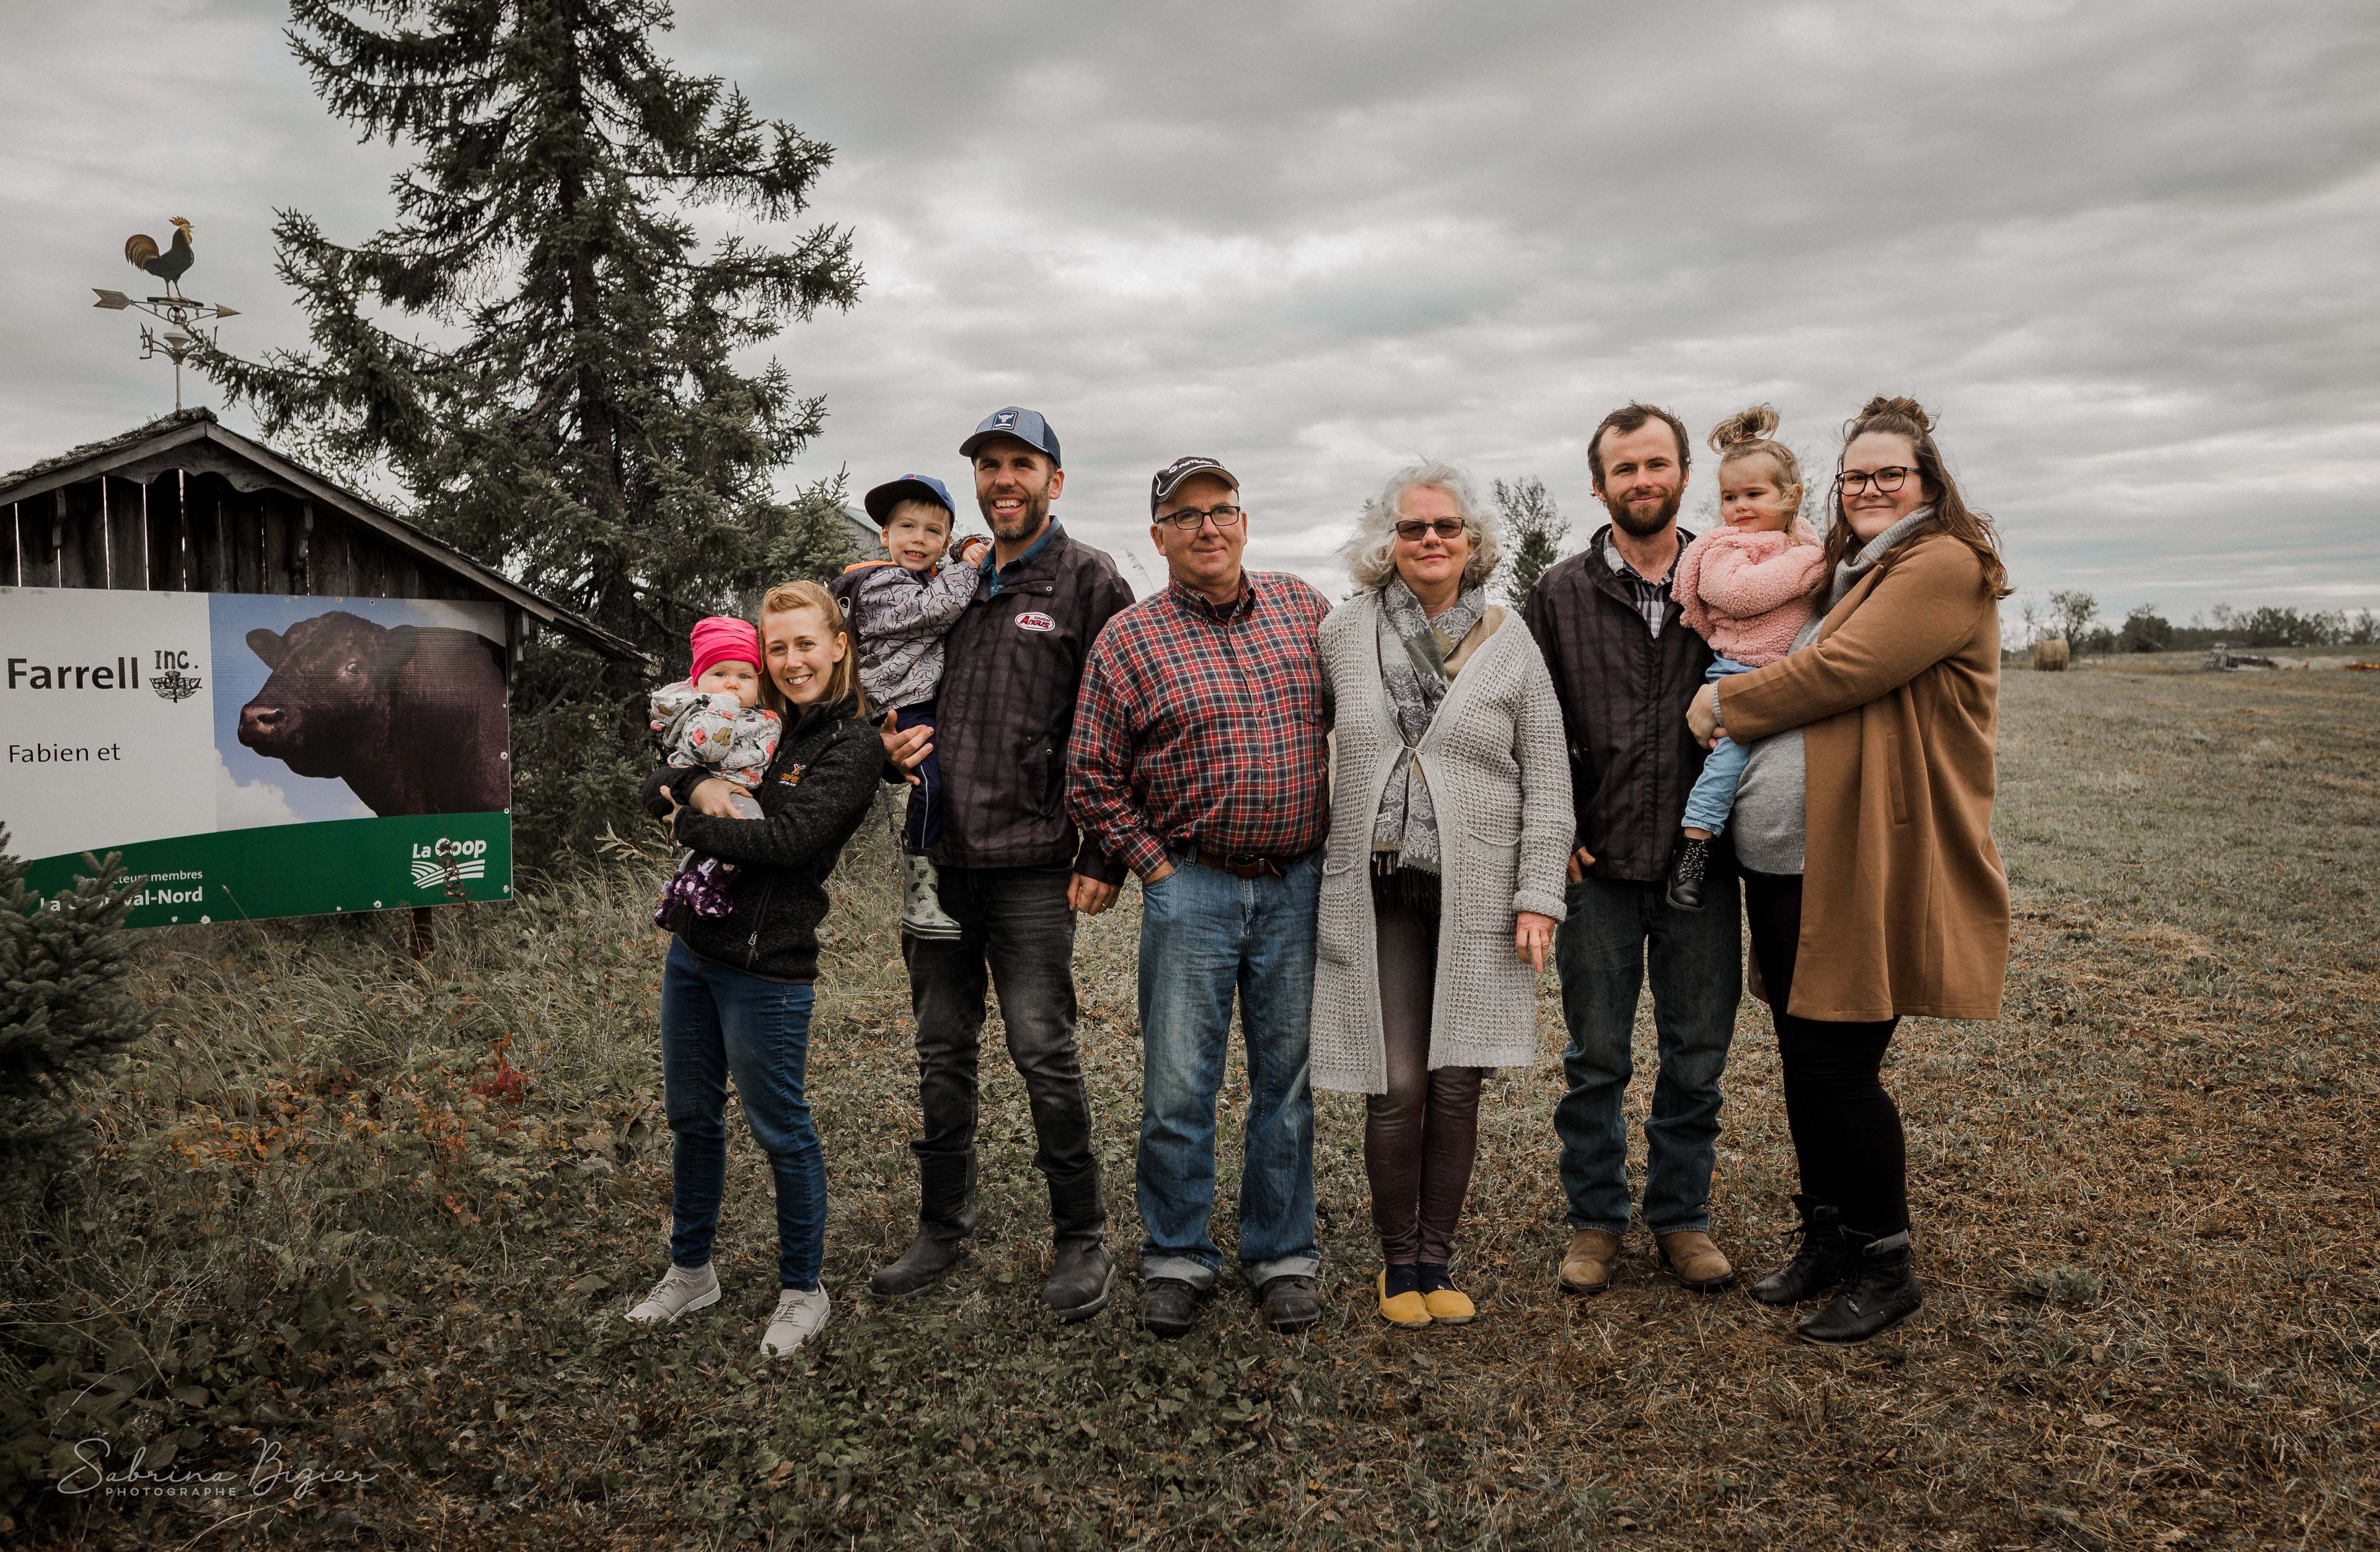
(541, 352)
(64, 1014)
(1533, 528)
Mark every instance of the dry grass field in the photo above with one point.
(357, 1216)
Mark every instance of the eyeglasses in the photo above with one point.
(1886, 480)
(1412, 528)
(1190, 519)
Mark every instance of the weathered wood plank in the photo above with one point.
(165, 559)
(334, 573)
(37, 542)
(246, 511)
(8, 546)
(127, 534)
(280, 514)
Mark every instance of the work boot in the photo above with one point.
(1694, 1261)
(1169, 1307)
(921, 901)
(1586, 1264)
(1687, 871)
(1881, 1293)
(1818, 1264)
(1080, 1283)
(1290, 1303)
(945, 1221)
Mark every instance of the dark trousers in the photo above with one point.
(1615, 931)
(717, 1020)
(923, 829)
(1422, 1136)
(1846, 1129)
(1017, 937)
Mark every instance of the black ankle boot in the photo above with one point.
(945, 1220)
(1881, 1292)
(1687, 872)
(1819, 1264)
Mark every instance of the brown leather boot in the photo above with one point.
(1694, 1261)
(1586, 1264)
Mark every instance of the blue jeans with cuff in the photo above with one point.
(1204, 936)
(1712, 798)
(1616, 928)
(717, 1020)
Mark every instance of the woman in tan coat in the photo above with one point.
(1864, 828)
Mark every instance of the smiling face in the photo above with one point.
(1644, 478)
(734, 677)
(1752, 496)
(1431, 563)
(802, 653)
(916, 534)
(1015, 485)
(1206, 559)
(1873, 510)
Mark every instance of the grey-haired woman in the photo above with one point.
(1442, 878)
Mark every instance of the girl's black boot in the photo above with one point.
(1819, 1263)
(1880, 1293)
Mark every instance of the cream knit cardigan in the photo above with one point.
(1498, 774)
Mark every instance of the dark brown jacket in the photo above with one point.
(1623, 698)
(1012, 665)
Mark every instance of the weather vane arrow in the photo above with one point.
(179, 314)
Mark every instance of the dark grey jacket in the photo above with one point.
(1623, 697)
(1012, 665)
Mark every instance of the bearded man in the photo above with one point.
(1014, 868)
(1625, 669)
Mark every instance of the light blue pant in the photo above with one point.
(1204, 935)
(1712, 798)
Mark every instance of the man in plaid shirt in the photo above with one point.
(1198, 760)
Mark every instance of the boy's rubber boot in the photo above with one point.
(945, 1221)
(1819, 1264)
(1881, 1292)
(1687, 872)
(921, 901)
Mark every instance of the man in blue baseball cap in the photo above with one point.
(1014, 868)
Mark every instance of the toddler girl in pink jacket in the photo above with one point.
(1747, 588)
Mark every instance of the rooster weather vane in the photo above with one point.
(176, 312)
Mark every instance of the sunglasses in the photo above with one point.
(1412, 528)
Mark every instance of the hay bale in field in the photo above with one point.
(2051, 657)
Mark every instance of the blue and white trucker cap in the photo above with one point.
(1026, 425)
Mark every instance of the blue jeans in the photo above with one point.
(716, 1020)
(1614, 928)
(1205, 934)
(1712, 798)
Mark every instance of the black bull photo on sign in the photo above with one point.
(412, 717)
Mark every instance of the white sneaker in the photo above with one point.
(799, 1317)
(678, 1292)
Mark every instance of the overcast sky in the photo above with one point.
(2124, 249)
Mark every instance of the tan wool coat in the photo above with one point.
(1904, 903)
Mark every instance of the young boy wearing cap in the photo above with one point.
(898, 610)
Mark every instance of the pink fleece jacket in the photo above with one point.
(1748, 593)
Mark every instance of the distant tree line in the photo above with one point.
(2072, 617)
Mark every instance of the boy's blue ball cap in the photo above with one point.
(1026, 425)
(909, 487)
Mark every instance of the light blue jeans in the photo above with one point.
(1712, 798)
(1206, 935)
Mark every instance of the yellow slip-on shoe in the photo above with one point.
(1449, 1306)
(1406, 1309)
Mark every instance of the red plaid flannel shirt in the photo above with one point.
(1203, 727)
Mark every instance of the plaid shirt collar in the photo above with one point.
(1001, 576)
(1193, 603)
(1652, 597)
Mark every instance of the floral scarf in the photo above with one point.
(1412, 649)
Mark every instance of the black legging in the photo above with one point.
(1846, 1129)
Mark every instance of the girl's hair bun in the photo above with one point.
(1757, 424)
(1900, 406)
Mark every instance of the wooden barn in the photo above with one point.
(183, 506)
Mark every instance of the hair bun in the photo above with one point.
(1756, 424)
(1900, 405)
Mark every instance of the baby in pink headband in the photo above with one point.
(713, 719)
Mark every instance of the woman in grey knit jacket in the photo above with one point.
(1442, 882)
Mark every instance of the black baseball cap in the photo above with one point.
(881, 501)
(1026, 425)
(1169, 478)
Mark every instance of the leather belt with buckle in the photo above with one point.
(1241, 867)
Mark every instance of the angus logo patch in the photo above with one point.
(1034, 620)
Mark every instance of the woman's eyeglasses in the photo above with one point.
(1886, 479)
(1190, 519)
(1414, 527)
